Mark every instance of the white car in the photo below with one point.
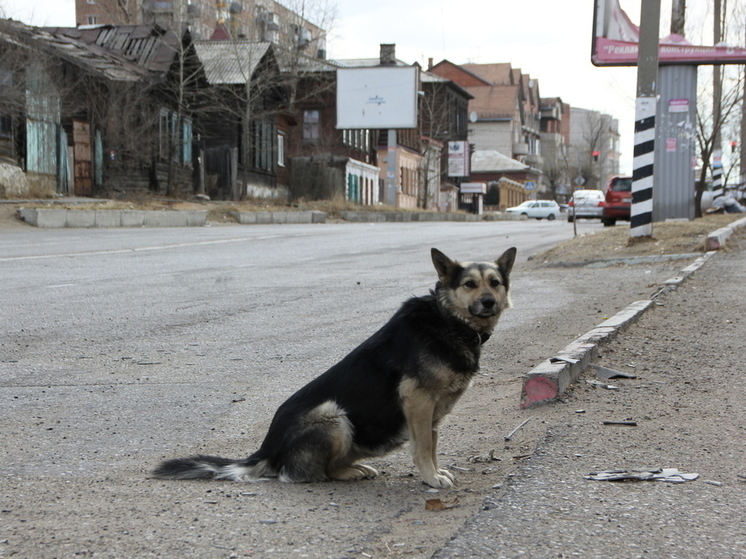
(586, 203)
(539, 209)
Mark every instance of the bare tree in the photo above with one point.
(589, 158)
(710, 125)
(556, 170)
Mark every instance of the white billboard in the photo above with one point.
(375, 98)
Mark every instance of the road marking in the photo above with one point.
(139, 249)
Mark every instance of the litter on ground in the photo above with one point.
(672, 475)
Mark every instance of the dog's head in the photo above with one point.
(475, 292)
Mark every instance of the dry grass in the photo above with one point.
(670, 237)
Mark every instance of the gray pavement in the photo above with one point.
(688, 405)
(160, 343)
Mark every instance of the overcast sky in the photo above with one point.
(548, 39)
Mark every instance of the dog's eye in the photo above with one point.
(471, 284)
(495, 283)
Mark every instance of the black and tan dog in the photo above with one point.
(396, 386)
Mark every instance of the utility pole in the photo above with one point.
(678, 17)
(641, 219)
(717, 101)
(742, 139)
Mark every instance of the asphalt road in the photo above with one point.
(124, 347)
(181, 311)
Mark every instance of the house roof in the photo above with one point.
(221, 33)
(496, 74)
(488, 161)
(365, 62)
(118, 53)
(133, 48)
(458, 74)
(300, 62)
(494, 102)
(427, 77)
(231, 62)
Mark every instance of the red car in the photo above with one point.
(618, 200)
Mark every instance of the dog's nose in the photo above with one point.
(488, 302)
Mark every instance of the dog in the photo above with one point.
(394, 387)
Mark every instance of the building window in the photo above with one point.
(92, 20)
(6, 126)
(164, 133)
(357, 139)
(264, 133)
(311, 126)
(186, 140)
(281, 149)
(171, 142)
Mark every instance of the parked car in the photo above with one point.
(539, 209)
(586, 203)
(618, 200)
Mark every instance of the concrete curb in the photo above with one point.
(380, 217)
(548, 381)
(261, 218)
(58, 218)
(717, 239)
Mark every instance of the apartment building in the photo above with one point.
(258, 20)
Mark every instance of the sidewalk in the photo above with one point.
(687, 402)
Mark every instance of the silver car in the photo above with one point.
(539, 209)
(586, 203)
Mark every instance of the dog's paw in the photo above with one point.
(441, 480)
(355, 472)
(369, 472)
(448, 474)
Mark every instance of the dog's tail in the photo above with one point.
(213, 467)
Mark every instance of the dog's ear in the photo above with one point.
(506, 261)
(443, 265)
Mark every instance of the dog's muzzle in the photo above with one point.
(484, 307)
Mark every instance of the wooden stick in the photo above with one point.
(513, 432)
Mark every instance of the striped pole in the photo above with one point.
(717, 174)
(641, 213)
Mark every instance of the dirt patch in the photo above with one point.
(669, 237)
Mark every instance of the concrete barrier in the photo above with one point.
(406, 217)
(717, 239)
(59, 218)
(547, 381)
(254, 218)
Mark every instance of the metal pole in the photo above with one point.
(678, 17)
(717, 109)
(641, 219)
(391, 168)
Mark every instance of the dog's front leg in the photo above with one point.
(441, 471)
(423, 435)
